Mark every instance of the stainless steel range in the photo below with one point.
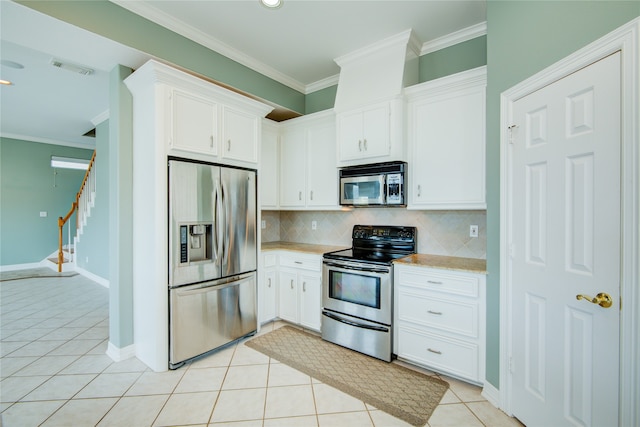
(357, 289)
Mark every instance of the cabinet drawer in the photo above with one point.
(456, 357)
(450, 283)
(312, 263)
(450, 316)
(270, 260)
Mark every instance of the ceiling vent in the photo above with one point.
(74, 68)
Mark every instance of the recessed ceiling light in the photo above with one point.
(271, 4)
(5, 82)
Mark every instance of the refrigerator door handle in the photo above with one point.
(225, 227)
(218, 220)
(215, 223)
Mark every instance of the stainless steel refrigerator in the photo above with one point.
(212, 257)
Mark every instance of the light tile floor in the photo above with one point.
(54, 372)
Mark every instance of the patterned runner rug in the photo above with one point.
(399, 391)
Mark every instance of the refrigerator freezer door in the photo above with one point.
(193, 244)
(206, 316)
(239, 251)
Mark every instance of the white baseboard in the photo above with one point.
(99, 280)
(119, 354)
(20, 266)
(491, 393)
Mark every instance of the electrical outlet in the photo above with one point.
(263, 224)
(473, 231)
(314, 225)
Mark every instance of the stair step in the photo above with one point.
(55, 260)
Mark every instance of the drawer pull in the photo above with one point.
(269, 281)
(298, 262)
(433, 282)
(437, 313)
(434, 351)
(291, 284)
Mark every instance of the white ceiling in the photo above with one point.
(295, 44)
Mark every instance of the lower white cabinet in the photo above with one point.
(440, 320)
(297, 298)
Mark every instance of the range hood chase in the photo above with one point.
(377, 72)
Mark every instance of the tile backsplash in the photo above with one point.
(439, 232)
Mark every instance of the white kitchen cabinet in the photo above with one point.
(269, 165)
(194, 122)
(308, 173)
(240, 135)
(268, 287)
(446, 134)
(440, 320)
(370, 134)
(299, 289)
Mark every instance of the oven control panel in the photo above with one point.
(373, 232)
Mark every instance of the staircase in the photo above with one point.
(64, 257)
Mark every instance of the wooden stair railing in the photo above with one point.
(80, 197)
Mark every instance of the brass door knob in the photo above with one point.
(602, 299)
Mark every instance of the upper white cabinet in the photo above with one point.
(308, 174)
(194, 123)
(446, 134)
(240, 135)
(370, 134)
(269, 165)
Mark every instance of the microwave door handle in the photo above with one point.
(356, 324)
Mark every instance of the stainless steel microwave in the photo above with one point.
(378, 184)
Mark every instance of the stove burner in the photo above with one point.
(378, 244)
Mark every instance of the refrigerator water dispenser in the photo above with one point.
(195, 243)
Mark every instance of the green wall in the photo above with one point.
(93, 246)
(454, 59)
(523, 38)
(28, 186)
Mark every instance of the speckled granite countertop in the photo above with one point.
(300, 247)
(471, 265)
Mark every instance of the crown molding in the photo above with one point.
(100, 118)
(322, 84)
(165, 20)
(460, 36)
(29, 138)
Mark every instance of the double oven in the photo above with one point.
(357, 289)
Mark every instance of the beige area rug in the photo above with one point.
(33, 273)
(399, 391)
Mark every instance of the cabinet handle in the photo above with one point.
(365, 144)
(298, 262)
(211, 141)
(433, 282)
(228, 145)
(419, 191)
(304, 286)
(437, 313)
(311, 195)
(359, 145)
(299, 195)
(434, 351)
(292, 284)
(269, 282)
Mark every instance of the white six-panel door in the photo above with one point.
(564, 204)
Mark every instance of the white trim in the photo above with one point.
(93, 277)
(322, 84)
(119, 354)
(625, 39)
(91, 145)
(14, 267)
(100, 118)
(491, 393)
(452, 39)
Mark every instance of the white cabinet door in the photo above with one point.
(293, 168)
(240, 135)
(194, 123)
(268, 311)
(447, 140)
(269, 168)
(288, 296)
(322, 174)
(310, 301)
(364, 133)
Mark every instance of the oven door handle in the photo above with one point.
(351, 267)
(356, 324)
